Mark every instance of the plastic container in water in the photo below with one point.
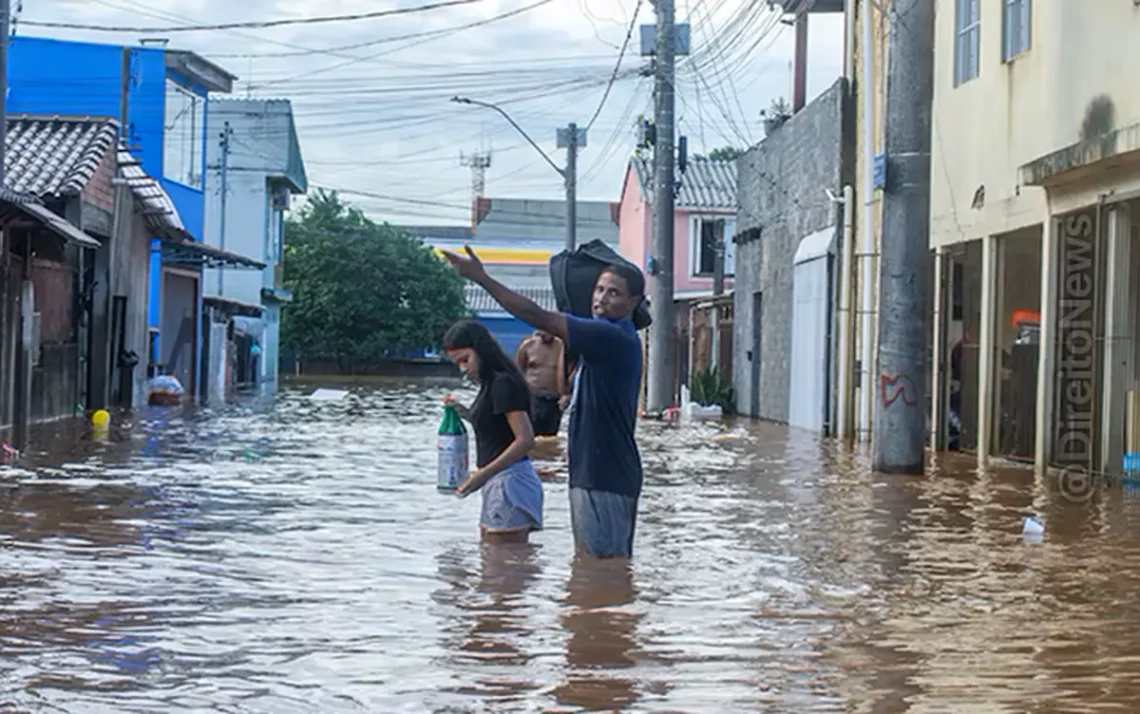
(453, 461)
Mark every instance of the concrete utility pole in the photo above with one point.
(662, 346)
(227, 134)
(899, 432)
(571, 176)
(718, 290)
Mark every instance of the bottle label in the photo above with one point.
(453, 463)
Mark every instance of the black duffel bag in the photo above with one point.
(573, 275)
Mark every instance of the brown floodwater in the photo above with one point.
(294, 556)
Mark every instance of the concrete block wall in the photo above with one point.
(782, 186)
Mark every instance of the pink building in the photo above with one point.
(705, 208)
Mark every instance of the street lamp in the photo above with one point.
(572, 138)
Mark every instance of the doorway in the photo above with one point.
(754, 354)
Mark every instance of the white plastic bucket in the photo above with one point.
(453, 462)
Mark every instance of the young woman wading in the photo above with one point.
(504, 436)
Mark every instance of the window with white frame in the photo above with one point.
(967, 46)
(1016, 32)
(182, 154)
(705, 232)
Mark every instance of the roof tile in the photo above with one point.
(707, 183)
(55, 156)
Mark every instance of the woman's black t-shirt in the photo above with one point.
(503, 393)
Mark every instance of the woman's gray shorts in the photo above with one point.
(512, 499)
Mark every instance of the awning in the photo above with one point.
(251, 327)
(231, 306)
(277, 294)
(56, 224)
(705, 302)
(1080, 161)
(193, 254)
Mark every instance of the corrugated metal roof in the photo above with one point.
(162, 215)
(55, 156)
(430, 233)
(707, 183)
(480, 301)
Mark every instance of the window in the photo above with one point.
(1016, 35)
(706, 232)
(967, 47)
(182, 141)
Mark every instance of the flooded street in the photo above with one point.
(296, 557)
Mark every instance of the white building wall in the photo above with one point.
(246, 234)
(1081, 69)
(257, 157)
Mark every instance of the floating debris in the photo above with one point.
(328, 395)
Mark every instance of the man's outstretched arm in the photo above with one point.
(521, 307)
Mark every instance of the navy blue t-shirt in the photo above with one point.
(602, 451)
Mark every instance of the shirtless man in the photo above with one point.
(540, 359)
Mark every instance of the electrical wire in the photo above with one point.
(608, 151)
(252, 24)
(435, 34)
(617, 66)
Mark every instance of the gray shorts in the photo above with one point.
(603, 522)
(512, 500)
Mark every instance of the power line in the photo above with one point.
(617, 66)
(252, 24)
(443, 32)
(358, 60)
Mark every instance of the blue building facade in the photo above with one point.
(164, 95)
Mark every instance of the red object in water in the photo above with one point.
(165, 399)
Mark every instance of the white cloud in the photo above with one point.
(385, 125)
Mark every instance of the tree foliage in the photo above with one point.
(363, 290)
(726, 153)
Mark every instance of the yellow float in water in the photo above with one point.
(101, 419)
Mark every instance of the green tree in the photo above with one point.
(726, 153)
(363, 290)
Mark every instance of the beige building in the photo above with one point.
(1035, 203)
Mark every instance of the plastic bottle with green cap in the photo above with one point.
(453, 461)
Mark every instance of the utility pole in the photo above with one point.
(5, 21)
(225, 168)
(572, 187)
(572, 139)
(718, 290)
(662, 345)
(899, 431)
(6, 396)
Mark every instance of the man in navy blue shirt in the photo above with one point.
(605, 466)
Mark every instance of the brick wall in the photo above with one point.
(781, 186)
(100, 190)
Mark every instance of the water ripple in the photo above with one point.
(291, 555)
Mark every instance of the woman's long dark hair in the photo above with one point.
(475, 335)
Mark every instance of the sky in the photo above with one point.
(372, 104)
